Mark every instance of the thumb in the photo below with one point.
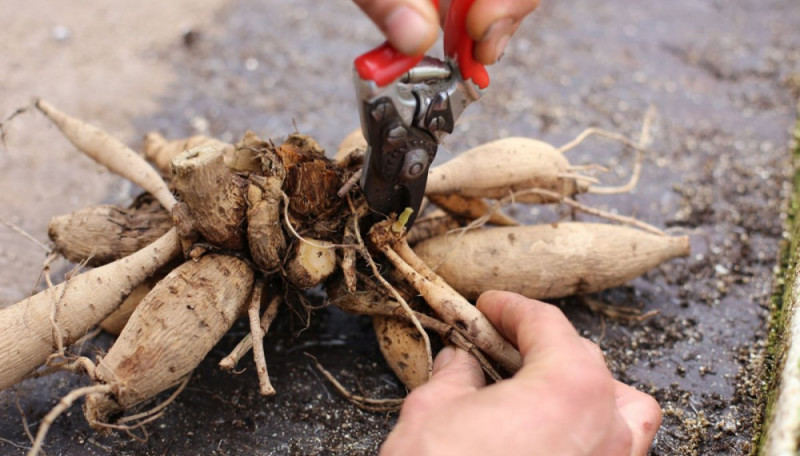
(456, 373)
(457, 365)
(412, 26)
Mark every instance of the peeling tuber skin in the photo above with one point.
(264, 229)
(101, 234)
(213, 196)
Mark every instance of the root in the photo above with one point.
(470, 208)
(622, 219)
(111, 153)
(4, 123)
(158, 410)
(14, 444)
(349, 184)
(392, 290)
(65, 403)
(644, 141)
(640, 147)
(617, 312)
(145, 417)
(300, 238)
(25, 234)
(578, 176)
(348, 261)
(24, 420)
(246, 344)
(603, 133)
(257, 330)
(365, 403)
(458, 339)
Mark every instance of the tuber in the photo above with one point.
(547, 261)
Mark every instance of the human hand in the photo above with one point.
(412, 25)
(563, 401)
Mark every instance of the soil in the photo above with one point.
(724, 78)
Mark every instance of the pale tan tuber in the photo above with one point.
(170, 332)
(212, 197)
(547, 261)
(114, 323)
(32, 329)
(110, 152)
(160, 151)
(498, 168)
(100, 234)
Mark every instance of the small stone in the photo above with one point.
(61, 33)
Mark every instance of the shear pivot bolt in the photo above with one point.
(415, 164)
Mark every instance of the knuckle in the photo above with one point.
(624, 439)
(651, 421)
(589, 384)
(545, 313)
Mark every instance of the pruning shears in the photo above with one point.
(407, 104)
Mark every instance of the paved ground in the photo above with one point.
(723, 76)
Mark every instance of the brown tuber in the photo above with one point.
(104, 233)
(264, 229)
(213, 197)
(403, 349)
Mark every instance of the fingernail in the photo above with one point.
(499, 33)
(407, 30)
(443, 358)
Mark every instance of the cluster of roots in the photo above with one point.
(229, 231)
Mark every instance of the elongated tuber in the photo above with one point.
(547, 261)
(104, 233)
(30, 329)
(170, 332)
(110, 152)
(497, 168)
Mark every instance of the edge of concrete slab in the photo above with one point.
(780, 433)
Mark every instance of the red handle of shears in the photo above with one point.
(385, 64)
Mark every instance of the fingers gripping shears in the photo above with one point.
(407, 105)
